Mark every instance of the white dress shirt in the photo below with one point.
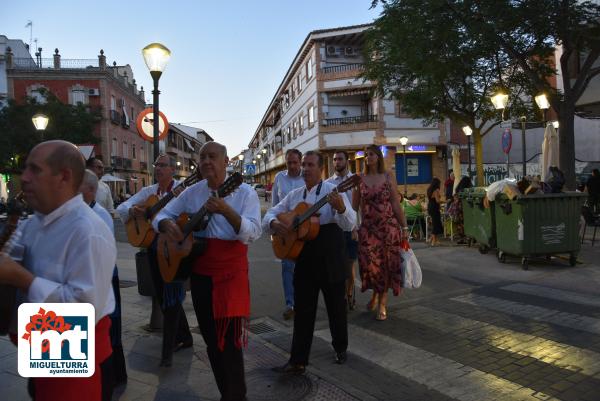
(71, 253)
(283, 185)
(103, 214)
(141, 197)
(243, 200)
(337, 180)
(104, 197)
(346, 220)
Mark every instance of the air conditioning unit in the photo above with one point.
(349, 51)
(331, 51)
(94, 92)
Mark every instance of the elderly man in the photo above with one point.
(103, 194)
(88, 189)
(321, 265)
(176, 330)
(285, 182)
(69, 256)
(220, 287)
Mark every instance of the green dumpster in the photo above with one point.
(538, 225)
(479, 221)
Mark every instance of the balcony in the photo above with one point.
(143, 166)
(116, 161)
(127, 164)
(341, 71)
(115, 117)
(349, 123)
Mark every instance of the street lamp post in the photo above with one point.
(403, 142)
(468, 131)
(241, 159)
(40, 122)
(156, 57)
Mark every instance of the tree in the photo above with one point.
(519, 36)
(18, 135)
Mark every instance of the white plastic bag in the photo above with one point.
(411, 270)
(497, 187)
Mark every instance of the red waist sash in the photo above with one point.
(226, 262)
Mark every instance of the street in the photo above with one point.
(476, 330)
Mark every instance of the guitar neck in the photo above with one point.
(312, 210)
(160, 204)
(194, 221)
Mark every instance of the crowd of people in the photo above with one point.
(70, 252)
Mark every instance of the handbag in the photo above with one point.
(145, 281)
(411, 270)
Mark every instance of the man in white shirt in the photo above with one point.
(175, 327)
(285, 181)
(69, 257)
(320, 265)
(88, 189)
(340, 164)
(103, 194)
(219, 280)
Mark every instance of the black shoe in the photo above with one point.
(151, 329)
(183, 344)
(341, 357)
(290, 368)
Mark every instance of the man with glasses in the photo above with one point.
(286, 181)
(176, 331)
(103, 195)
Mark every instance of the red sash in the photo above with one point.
(78, 388)
(226, 262)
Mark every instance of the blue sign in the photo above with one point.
(416, 148)
(250, 169)
(506, 140)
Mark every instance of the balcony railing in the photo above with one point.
(31, 64)
(342, 68)
(127, 163)
(116, 161)
(328, 122)
(115, 117)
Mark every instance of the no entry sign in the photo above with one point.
(145, 125)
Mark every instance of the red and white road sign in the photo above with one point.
(145, 125)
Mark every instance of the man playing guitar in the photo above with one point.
(219, 281)
(321, 264)
(176, 330)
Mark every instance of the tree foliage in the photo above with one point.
(18, 135)
(444, 58)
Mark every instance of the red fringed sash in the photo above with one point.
(226, 262)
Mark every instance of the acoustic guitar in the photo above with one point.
(139, 228)
(304, 224)
(175, 257)
(7, 240)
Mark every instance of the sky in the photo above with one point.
(228, 58)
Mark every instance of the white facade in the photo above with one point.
(19, 50)
(323, 104)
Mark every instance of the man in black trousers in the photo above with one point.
(321, 265)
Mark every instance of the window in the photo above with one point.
(142, 157)
(39, 97)
(125, 150)
(311, 115)
(299, 83)
(113, 149)
(133, 152)
(78, 96)
(289, 134)
(113, 103)
(301, 123)
(309, 69)
(293, 90)
(295, 128)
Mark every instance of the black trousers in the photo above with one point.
(175, 324)
(227, 365)
(118, 356)
(306, 298)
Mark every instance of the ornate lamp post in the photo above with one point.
(156, 57)
(403, 142)
(40, 122)
(468, 131)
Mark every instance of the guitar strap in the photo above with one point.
(92, 204)
(318, 190)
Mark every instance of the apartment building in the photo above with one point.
(183, 143)
(93, 83)
(323, 104)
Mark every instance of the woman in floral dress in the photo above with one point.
(381, 231)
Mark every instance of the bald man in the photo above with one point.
(219, 282)
(69, 258)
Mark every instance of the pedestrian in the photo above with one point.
(69, 257)
(103, 195)
(286, 181)
(321, 265)
(341, 173)
(383, 227)
(449, 187)
(88, 189)
(455, 210)
(219, 280)
(593, 189)
(434, 200)
(170, 296)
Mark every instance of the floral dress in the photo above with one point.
(379, 239)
